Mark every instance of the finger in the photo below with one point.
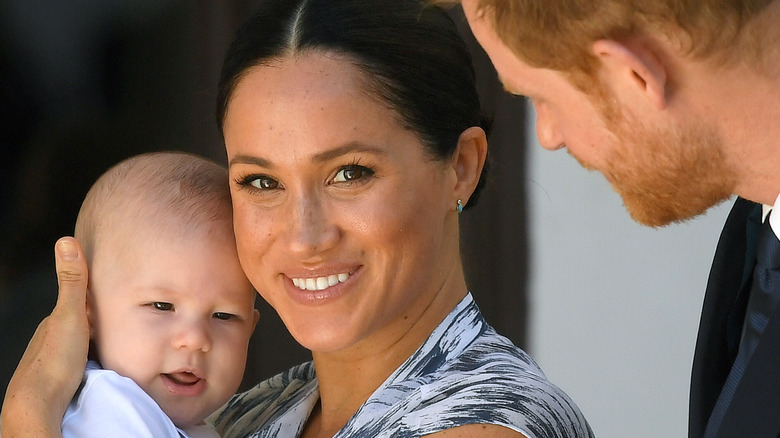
(71, 273)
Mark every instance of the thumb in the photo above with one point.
(71, 273)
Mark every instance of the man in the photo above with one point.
(676, 103)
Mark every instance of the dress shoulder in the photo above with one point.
(495, 382)
(466, 373)
(277, 406)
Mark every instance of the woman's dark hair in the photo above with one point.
(410, 51)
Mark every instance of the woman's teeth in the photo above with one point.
(320, 283)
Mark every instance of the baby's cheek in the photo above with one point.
(232, 359)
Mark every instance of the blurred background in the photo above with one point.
(608, 309)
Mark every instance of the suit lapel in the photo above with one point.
(755, 408)
(713, 358)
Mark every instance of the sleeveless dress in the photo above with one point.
(464, 373)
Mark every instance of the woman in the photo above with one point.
(354, 139)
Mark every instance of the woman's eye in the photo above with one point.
(263, 183)
(162, 306)
(257, 182)
(353, 172)
(224, 316)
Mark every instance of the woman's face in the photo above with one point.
(344, 224)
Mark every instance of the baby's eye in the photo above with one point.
(224, 316)
(162, 306)
(352, 172)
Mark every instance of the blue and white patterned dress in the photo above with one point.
(464, 373)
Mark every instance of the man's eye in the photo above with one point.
(162, 306)
(224, 316)
(264, 183)
(352, 172)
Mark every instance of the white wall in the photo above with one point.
(614, 307)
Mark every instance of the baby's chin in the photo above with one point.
(186, 415)
(186, 421)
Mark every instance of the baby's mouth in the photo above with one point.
(183, 378)
(184, 383)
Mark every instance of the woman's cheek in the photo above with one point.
(251, 237)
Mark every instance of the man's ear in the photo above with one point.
(633, 67)
(468, 161)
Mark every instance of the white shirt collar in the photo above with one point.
(774, 220)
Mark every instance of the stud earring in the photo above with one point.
(459, 207)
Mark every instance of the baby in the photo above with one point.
(169, 308)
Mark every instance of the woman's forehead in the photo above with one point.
(311, 95)
(311, 73)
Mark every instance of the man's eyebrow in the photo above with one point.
(508, 88)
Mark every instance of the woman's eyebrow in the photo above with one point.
(249, 159)
(350, 147)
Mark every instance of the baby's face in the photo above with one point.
(175, 315)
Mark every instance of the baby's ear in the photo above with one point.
(90, 315)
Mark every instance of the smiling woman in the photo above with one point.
(345, 192)
(354, 137)
(349, 153)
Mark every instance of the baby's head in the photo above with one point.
(168, 303)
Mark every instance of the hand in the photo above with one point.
(51, 369)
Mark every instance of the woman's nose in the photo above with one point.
(193, 335)
(547, 129)
(311, 227)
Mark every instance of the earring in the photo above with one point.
(459, 207)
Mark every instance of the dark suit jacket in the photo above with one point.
(755, 408)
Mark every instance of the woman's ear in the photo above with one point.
(633, 67)
(468, 161)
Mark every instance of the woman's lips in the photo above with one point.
(321, 288)
(184, 383)
(320, 283)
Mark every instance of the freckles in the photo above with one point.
(256, 225)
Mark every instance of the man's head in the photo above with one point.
(168, 303)
(559, 34)
(611, 81)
